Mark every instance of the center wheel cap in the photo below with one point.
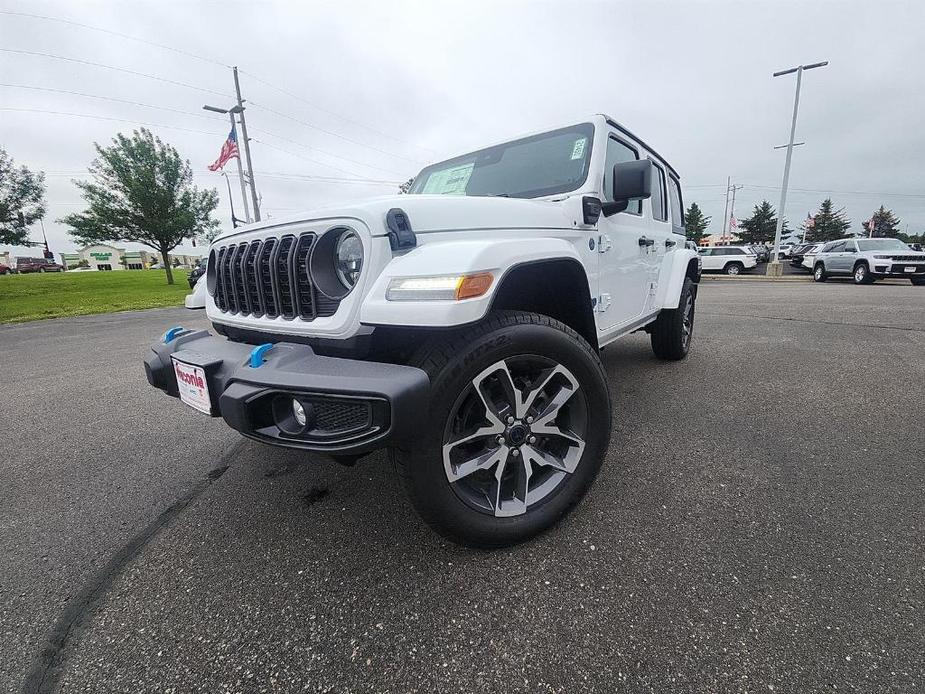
(517, 434)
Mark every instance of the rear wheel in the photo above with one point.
(819, 273)
(862, 274)
(517, 428)
(733, 268)
(673, 330)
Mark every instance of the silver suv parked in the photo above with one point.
(867, 260)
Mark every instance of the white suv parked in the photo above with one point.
(728, 259)
(866, 260)
(459, 326)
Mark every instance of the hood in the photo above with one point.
(432, 213)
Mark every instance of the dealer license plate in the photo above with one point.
(911, 269)
(193, 387)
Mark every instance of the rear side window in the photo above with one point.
(734, 251)
(659, 208)
(837, 247)
(618, 152)
(677, 208)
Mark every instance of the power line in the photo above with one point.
(118, 120)
(332, 133)
(332, 113)
(109, 98)
(117, 69)
(162, 46)
(206, 59)
(313, 161)
(330, 154)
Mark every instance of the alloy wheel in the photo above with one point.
(515, 434)
(687, 322)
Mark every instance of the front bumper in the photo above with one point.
(352, 406)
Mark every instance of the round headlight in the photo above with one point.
(348, 258)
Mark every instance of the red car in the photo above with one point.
(5, 269)
(24, 265)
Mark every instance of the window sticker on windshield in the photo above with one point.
(451, 181)
(578, 149)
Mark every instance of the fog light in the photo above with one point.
(298, 412)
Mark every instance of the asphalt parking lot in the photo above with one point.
(758, 526)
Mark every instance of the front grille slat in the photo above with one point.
(271, 278)
(282, 275)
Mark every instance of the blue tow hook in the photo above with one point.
(172, 333)
(257, 354)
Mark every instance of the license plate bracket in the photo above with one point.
(193, 386)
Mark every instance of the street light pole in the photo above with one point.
(775, 269)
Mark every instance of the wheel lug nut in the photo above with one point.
(529, 420)
(500, 439)
(515, 452)
(532, 439)
(510, 419)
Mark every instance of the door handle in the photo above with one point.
(669, 243)
(643, 241)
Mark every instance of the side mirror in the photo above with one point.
(631, 180)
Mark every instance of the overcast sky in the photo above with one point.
(382, 88)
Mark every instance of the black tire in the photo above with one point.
(673, 330)
(861, 274)
(453, 361)
(819, 274)
(918, 281)
(41, 269)
(733, 268)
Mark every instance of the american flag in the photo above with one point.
(733, 223)
(810, 221)
(229, 151)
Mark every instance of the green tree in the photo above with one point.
(885, 223)
(142, 191)
(22, 201)
(828, 223)
(696, 223)
(761, 226)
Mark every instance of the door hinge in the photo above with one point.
(604, 243)
(603, 303)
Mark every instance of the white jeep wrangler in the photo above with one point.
(459, 326)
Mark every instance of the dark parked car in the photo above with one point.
(24, 265)
(5, 269)
(196, 273)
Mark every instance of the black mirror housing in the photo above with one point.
(631, 180)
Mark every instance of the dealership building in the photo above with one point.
(105, 257)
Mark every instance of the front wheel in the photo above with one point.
(517, 428)
(862, 274)
(819, 273)
(673, 330)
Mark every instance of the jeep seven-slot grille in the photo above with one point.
(269, 278)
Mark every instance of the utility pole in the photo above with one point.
(732, 209)
(247, 145)
(231, 111)
(775, 269)
(725, 210)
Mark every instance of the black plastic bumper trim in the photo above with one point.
(397, 395)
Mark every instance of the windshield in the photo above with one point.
(882, 245)
(546, 164)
